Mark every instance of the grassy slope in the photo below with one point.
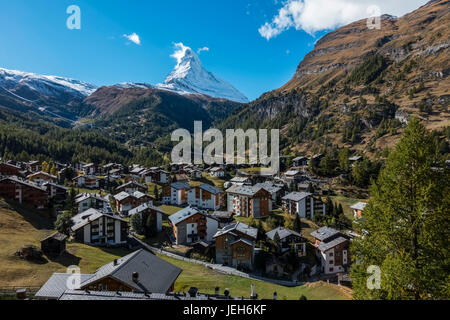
(206, 280)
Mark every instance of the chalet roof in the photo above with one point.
(296, 196)
(84, 196)
(324, 233)
(240, 179)
(42, 173)
(355, 158)
(57, 236)
(80, 295)
(88, 216)
(269, 186)
(55, 185)
(244, 190)
(209, 188)
(299, 158)
(215, 169)
(144, 207)
(246, 241)
(179, 185)
(324, 246)
(132, 183)
(291, 173)
(282, 233)
(238, 226)
(122, 196)
(56, 285)
(223, 214)
(24, 182)
(359, 206)
(155, 274)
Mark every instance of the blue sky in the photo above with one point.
(34, 38)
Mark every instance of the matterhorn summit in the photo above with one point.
(189, 77)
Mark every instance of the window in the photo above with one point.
(331, 254)
(240, 251)
(331, 261)
(331, 269)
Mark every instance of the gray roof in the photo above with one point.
(324, 246)
(78, 295)
(239, 179)
(222, 214)
(269, 186)
(122, 196)
(359, 206)
(55, 185)
(282, 233)
(43, 173)
(209, 188)
(239, 226)
(144, 207)
(84, 196)
(324, 233)
(57, 236)
(296, 196)
(299, 158)
(355, 158)
(291, 172)
(250, 243)
(24, 182)
(180, 185)
(244, 190)
(132, 183)
(57, 285)
(155, 274)
(86, 217)
(183, 214)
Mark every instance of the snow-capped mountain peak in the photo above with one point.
(189, 77)
(47, 85)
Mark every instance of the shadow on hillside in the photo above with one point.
(66, 259)
(39, 219)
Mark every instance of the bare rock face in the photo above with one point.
(357, 79)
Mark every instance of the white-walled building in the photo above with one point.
(97, 228)
(303, 204)
(206, 196)
(191, 225)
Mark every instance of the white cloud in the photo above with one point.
(180, 51)
(315, 15)
(202, 49)
(133, 38)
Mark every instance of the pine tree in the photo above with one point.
(156, 193)
(297, 224)
(406, 224)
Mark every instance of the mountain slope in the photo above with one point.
(49, 95)
(189, 76)
(358, 87)
(138, 116)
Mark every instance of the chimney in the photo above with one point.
(115, 262)
(275, 295)
(226, 293)
(217, 291)
(135, 277)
